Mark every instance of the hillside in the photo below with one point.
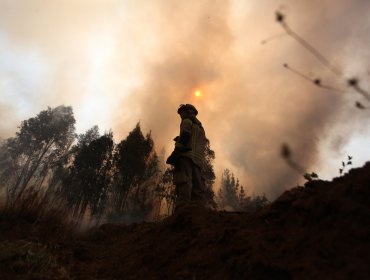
(319, 231)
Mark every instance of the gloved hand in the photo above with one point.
(172, 159)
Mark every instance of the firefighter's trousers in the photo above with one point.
(189, 183)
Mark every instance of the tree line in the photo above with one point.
(95, 177)
(233, 196)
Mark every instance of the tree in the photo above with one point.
(136, 165)
(229, 191)
(243, 199)
(208, 174)
(252, 204)
(232, 195)
(165, 190)
(29, 158)
(90, 175)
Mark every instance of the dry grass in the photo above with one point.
(28, 259)
(32, 229)
(44, 217)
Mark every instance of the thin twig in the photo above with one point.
(273, 37)
(316, 81)
(281, 19)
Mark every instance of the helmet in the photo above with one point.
(187, 107)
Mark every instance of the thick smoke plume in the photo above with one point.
(118, 63)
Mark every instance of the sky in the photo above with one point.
(119, 62)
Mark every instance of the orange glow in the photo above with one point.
(197, 93)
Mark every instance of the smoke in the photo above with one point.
(251, 105)
(118, 63)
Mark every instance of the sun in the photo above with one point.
(197, 93)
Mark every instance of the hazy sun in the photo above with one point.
(197, 93)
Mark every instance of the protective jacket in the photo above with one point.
(194, 148)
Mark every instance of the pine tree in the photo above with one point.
(229, 190)
(243, 200)
(165, 191)
(232, 195)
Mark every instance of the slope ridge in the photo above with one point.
(319, 231)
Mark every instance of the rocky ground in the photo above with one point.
(319, 231)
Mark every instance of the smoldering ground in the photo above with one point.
(150, 57)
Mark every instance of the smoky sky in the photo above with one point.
(120, 62)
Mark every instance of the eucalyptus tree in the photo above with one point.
(28, 159)
(89, 176)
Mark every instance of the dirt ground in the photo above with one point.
(319, 231)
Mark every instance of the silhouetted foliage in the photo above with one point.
(89, 176)
(28, 159)
(208, 174)
(136, 164)
(232, 195)
(229, 190)
(311, 176)
(165, 191)
(345, 164)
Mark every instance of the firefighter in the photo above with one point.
(188, 158)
